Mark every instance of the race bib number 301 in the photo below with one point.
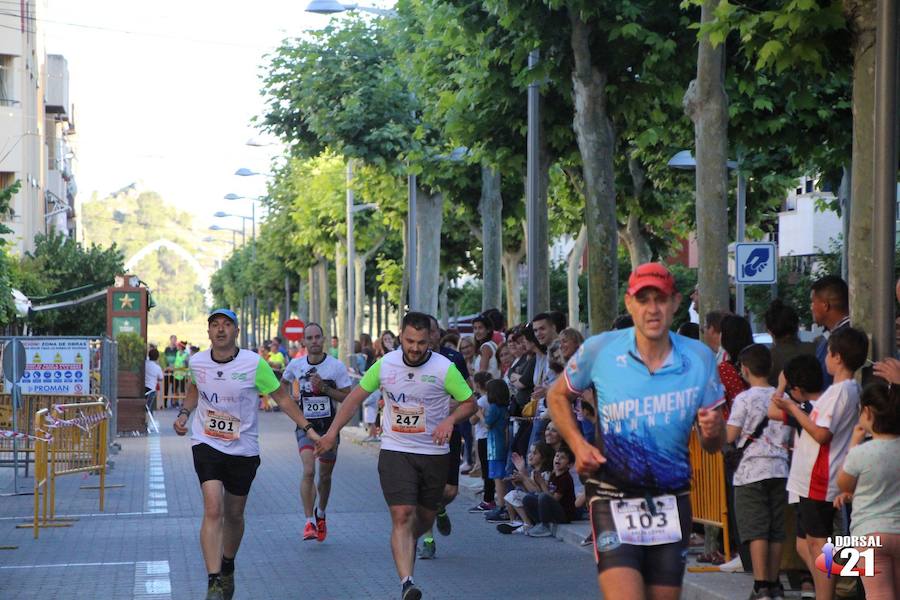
(316, 407)
(408, 419)
(222, 425)
(636, 525)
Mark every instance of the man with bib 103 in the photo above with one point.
(652, 387)
(225, 383)
(320, 381)
(419, 386)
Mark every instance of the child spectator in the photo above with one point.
(823, 444)
(557, 503)
(496, 419)
(760, 477)
(870, 478)
(528, 478)
(480, 381)
(801, 382)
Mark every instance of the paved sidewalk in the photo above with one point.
(145, 545)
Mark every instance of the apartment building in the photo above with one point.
(36, 129)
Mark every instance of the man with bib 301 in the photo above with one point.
(419, 386)
(225, 383)
(652, 387)
(321, 382)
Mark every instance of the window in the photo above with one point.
(7, 77)
(809, 186)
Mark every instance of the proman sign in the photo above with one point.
(56, 367)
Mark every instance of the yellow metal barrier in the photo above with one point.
(173, 390)
(31, 404)
(77, 444)
(709, 504)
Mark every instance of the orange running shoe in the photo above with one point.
(310, 532)
(321, 528)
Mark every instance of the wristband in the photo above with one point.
(184, 411)
(307, 428)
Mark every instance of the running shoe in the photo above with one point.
(321, 528)
(310, 532)
(498, 515)
(540, 530)
(227, 582)
(482, 507)
(426, 552)
(214, 591)
(410, 592)
(776, 591)
(760, 594)
(443, 522)
(510, 527)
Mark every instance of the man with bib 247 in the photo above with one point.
(225, 383)
(419, 386)
(652, 387)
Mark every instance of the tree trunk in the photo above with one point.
(596, 144)
(429, 219)
(359, 270)
(302, 301)
(404, 281)
(324, 299)
(511, 262)
(707, 106)
(574, 268)
(378, 305)
(846, 213)
(372, 333)
(861, 17)
(638, 247)
(345, 347)
(490, 208)
(313, 313)
(443, 308)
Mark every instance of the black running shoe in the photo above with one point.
(410, 592)
(442, 521)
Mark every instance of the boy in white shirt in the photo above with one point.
(823, 444)
(759, 480)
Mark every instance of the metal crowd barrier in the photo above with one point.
(20, 449)
(708, 497)
(70, 439)
(173, 390)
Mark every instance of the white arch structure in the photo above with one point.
(202, 274)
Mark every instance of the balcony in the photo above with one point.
(56, 100)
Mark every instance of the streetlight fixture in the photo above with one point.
(331, 7)
(245, 172)
(684, 161)
(210, 238)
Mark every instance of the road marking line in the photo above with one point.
(156, 478)
(151, 580)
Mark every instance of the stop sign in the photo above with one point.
(293, 330)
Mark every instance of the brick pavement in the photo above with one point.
(131, 552)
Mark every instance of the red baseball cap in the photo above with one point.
(652, 275)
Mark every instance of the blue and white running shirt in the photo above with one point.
(646, 418)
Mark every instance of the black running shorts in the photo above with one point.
(235, 472)
(455, 454)
(409, 479)
(659, 565)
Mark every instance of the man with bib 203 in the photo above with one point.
(652, 387)
(225, 383)
(418, 386)
(321, 380)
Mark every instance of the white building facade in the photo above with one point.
(36, 130)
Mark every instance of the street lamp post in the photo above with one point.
(349, 334)
(684, 161)
(254, 313)
(537, 247)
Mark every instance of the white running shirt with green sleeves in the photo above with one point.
(228, 401)
(416, 400)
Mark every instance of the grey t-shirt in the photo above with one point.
(876, 501)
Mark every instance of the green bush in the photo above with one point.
(131, 352)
